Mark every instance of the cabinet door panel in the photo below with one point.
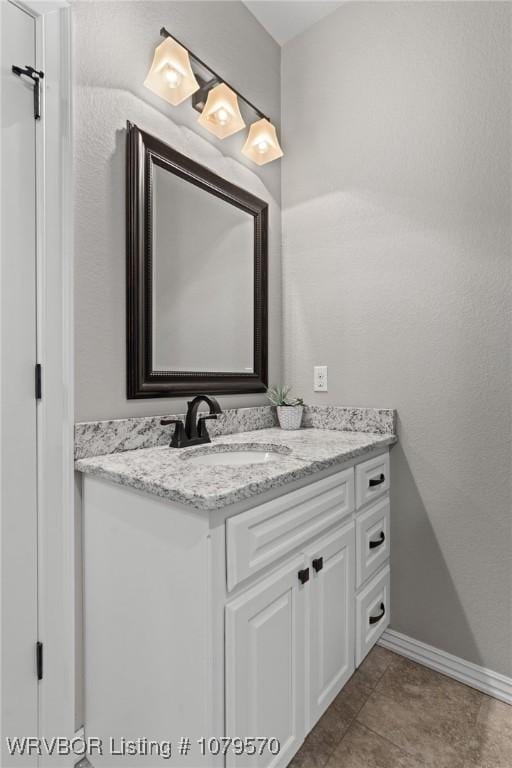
(265, 665)
(331, 612)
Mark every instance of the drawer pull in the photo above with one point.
(318, 563)
(303, 575)
(379, 542)
(376, 480)
(376, 619)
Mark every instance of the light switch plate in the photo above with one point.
(320, 378)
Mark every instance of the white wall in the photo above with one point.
(114, 44)
(396, 274)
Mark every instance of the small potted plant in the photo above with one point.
(289, 409)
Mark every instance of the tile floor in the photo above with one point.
(394, 713)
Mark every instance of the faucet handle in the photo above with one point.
(178, 434)
(201, 426)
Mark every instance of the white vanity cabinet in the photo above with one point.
(242, 622)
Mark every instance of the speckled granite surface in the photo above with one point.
(93, 438)
(377, 420)
(166, 471)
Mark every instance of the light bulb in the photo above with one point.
(222, 116)
(262, 145)
(221, 113)
(173, 77)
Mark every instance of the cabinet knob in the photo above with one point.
(318, 563)
(373, 481)
(303, 575)
(378, 542)
(376, 619)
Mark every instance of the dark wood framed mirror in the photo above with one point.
(196, 277)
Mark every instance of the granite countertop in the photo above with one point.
(165, 471)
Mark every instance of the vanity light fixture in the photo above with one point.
(172, 77)
(262, 145)
(221, 113)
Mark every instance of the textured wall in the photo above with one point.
(396, 274)
(113, 48)
(114, 44)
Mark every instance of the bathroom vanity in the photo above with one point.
(242, 609)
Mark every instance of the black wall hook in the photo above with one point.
(36, 76)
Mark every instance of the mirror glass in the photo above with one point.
(202, 279)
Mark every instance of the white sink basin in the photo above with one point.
(233, 458)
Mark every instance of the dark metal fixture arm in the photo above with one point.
(164, 33)
(194, 432)
(191, 420)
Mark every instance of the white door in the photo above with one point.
(265, 665)
(331, 617)
(18, 405)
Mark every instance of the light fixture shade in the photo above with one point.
(171, 75)
(221, 114)
(262, 145)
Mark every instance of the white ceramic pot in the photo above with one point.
(290, 416)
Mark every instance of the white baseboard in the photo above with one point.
(492, 683)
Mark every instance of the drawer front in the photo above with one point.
(372, 539)
(260, 536)
(372, 614)
(372, 479)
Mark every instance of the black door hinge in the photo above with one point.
(36, 78)
(39, 660)
(38, 381)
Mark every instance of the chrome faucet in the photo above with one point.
(194, 432)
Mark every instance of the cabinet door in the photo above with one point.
(331, 617)
(265, 665)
